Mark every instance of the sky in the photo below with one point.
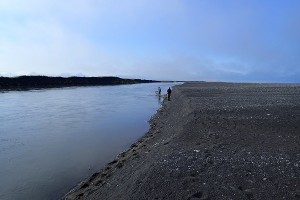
(184, 40)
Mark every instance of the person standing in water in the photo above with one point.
(169, 91)
(159, 90)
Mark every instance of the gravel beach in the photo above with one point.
(211, 141)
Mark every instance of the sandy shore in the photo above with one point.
(211, 141)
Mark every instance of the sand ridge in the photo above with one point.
(211, 141)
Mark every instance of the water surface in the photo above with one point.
(51, 139)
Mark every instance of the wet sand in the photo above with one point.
(211, 141)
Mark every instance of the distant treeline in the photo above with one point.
(28, 82)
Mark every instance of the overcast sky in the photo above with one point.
(210, 40)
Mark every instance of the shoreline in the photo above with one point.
(99, 177)
(211, 141)
(21, 83)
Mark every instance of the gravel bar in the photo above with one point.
(211, 141)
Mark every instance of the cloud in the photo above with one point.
(172, 39)
(50, 49)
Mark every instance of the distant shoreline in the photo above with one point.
(39, 82)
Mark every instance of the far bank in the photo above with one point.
(39, 82)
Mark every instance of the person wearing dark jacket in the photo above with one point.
(159, 90)
(169, 91)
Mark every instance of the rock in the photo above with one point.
(248, 192)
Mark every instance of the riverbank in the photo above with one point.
(41, 82)
(211, 141)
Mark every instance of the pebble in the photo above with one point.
(248, 192)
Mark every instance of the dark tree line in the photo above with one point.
(27, 82)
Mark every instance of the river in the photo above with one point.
(51, 139)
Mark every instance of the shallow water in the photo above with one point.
(51, 139)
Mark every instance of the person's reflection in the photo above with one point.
(159, 99)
